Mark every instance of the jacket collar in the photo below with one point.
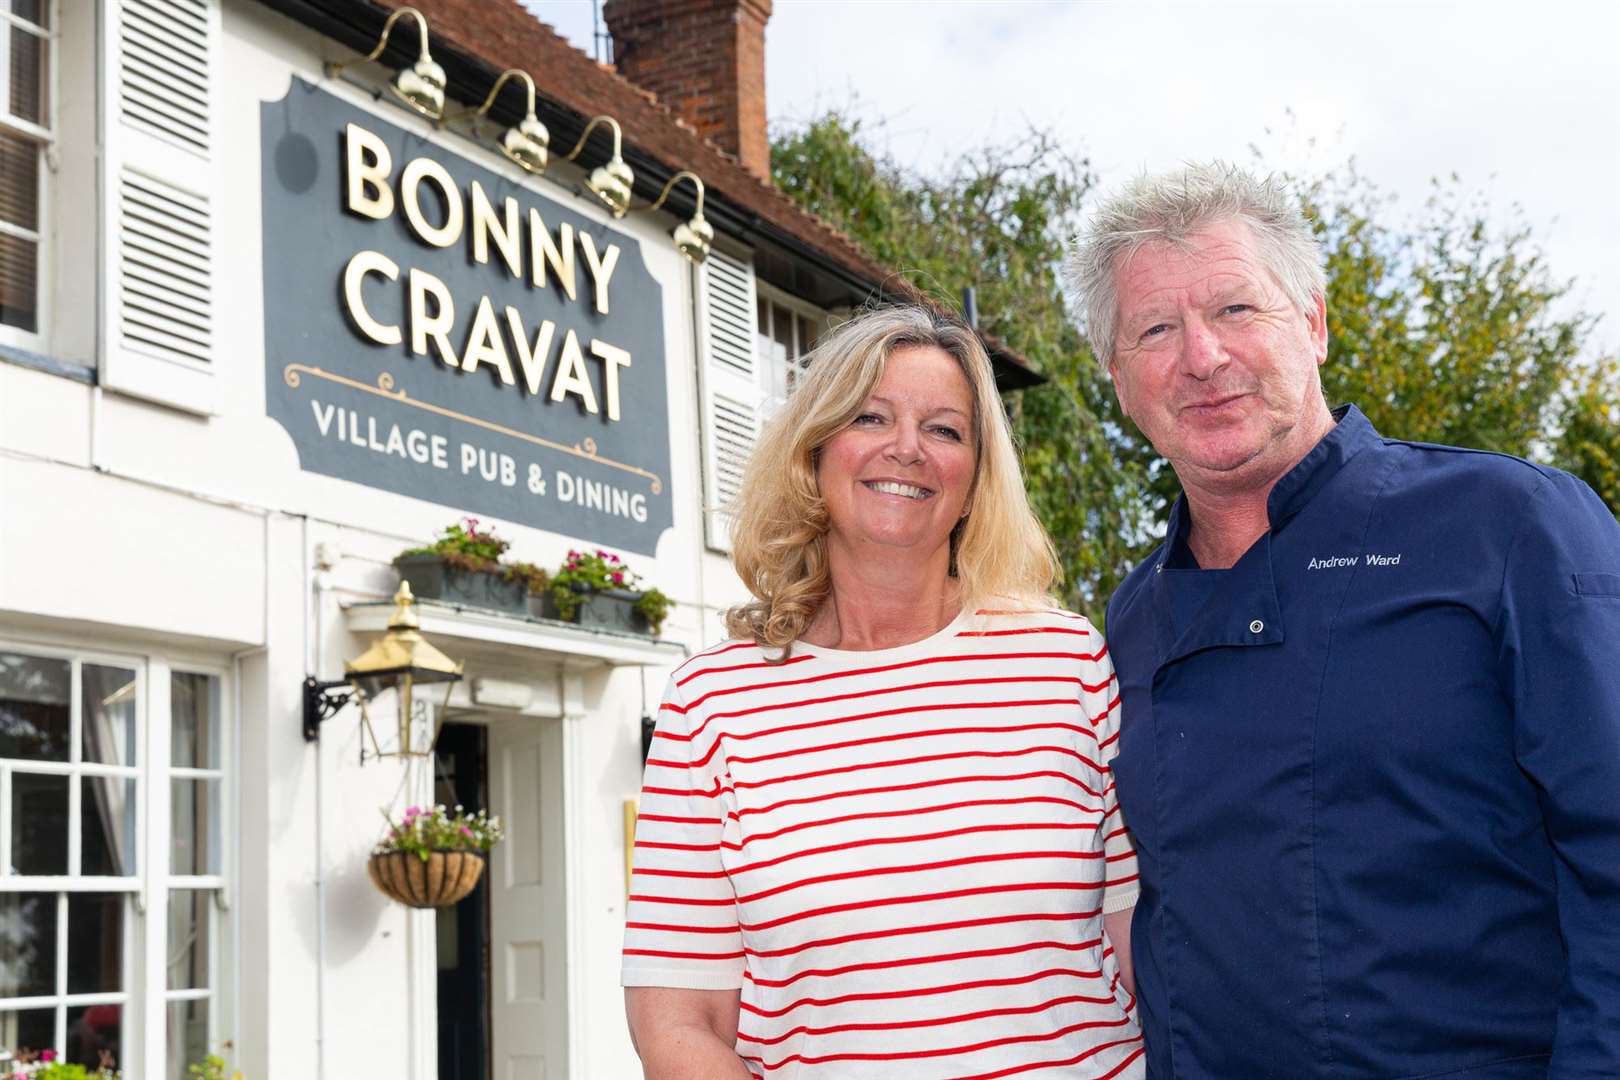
(1352, 433)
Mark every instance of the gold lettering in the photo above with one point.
(436, 326)
(367, 165)
(613, 358)
(601, 268)
(486, 225)
(485, 345)
(354, 276)
(571, 377)
(410, 190)
(543, 252)
(533, 361)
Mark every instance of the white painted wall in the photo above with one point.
(149, 525)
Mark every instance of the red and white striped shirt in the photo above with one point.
(900, 856)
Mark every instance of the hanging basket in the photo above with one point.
(440, 880)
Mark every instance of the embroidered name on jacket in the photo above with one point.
(1335, 562)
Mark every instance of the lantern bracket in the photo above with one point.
(320, 703)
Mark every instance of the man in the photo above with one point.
(1370, 746)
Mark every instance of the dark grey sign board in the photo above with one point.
(443, 331)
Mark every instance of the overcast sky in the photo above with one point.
(1521, 100)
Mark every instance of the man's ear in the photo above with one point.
(1119, 387)
(1316, 320)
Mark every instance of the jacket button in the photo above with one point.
(1256, 626)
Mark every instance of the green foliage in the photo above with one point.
(1446, 329)
(464, 545)
(1589, 430)
(424, 830)
(998, 220)
(212, 1067)
(47, 1065)
(586, 572)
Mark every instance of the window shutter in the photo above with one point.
(157, 327)
(729, 385)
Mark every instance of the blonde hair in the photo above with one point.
(780, 519)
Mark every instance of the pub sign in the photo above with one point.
(444, 331)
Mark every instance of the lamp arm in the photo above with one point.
(684, 174)
(590, 127)
(490, 100)
(388, 27)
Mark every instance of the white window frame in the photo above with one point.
(44, 138)
(765, 366)
(146, 995)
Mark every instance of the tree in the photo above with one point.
(998, 220)
(1589, 430)
(1448, 328)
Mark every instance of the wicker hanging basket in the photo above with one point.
(440, 880)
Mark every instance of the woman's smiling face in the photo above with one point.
(898, 476)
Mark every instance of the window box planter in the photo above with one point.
(601, 609)
(442, 879)
(432, 578)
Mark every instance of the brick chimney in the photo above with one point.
(705, 59)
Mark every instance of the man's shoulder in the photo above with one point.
(1460, 475)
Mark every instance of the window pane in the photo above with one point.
(807, 335)
(27, 76)
(190, 912)
(782, 334)
(108, 706)
(107, 826)
(19, 182)
(194, 725)
(39, 824)
(34, 704)
(188, 1036)
(93, 1035)
(28, 1029)
(27, 947)
(193, 823)
(95, 943)
(19, 273)
(762, 329)
(35, 11)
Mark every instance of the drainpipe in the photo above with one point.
(312, 655)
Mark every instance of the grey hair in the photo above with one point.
(1171, 207)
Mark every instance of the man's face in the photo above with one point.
(1214, 363)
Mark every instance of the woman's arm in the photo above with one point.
(685, 1034)
(1117, 925)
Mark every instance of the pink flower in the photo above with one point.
(47, 1056)
(466, 832)
(618, 577)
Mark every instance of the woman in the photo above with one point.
(878, 832)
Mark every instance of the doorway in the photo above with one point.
(461, 776)
(502, 988)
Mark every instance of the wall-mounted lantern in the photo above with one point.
(420, 86)
(526, 141)
(610, 182)
(692, 238)
(402, 659)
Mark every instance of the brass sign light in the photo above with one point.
(402, 659)
(610, 182)
(420, 86)
(692, 238)
(526, 141)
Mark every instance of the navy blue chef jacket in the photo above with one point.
(1373, 773)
